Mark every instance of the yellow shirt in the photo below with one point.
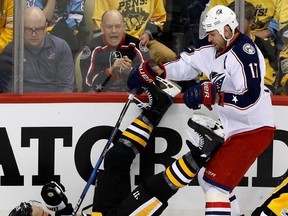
(6, 24)
(136, 13)
(265, 11)
(283, 26)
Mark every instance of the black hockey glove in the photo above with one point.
(53, 195)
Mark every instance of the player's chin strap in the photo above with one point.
(167, 86)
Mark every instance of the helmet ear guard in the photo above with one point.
(218, 17)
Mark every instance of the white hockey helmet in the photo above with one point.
(218, 17)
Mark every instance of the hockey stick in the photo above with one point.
(110, 140)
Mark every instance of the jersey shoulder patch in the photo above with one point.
(249, 49)
(86, 52)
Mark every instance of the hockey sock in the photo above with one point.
(137, 134)
(235, 209)
(113, 184)
(110, 191)
(217, 202)
(217, 199)
(181, 172)
(118, 159)
(159, 187)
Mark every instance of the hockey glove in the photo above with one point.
(53, 195)
(143, 75)
(204, 93)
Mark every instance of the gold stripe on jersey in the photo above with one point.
(147, 208)
(279, 204)
(96, 214)
(280, 197)
(180, 173)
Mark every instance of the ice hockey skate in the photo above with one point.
(160, 94)
(206, 134)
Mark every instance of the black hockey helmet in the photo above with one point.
(24, 209)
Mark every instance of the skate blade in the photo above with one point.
(169, 87)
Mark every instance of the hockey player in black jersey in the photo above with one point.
(112, 190)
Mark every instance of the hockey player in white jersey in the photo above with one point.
(236, 91)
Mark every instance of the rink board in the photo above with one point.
(49, 140)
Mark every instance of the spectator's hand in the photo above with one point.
(126, 65)
(144, 39)
(284, 66)
(121, 65)
(284, 69)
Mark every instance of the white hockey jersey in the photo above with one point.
(238, 71)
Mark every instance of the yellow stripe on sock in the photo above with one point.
(185, 168)
(144, 125)
(135, 138)
(173, 179)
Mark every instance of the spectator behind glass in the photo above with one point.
(283, 60)
(64, 18)
(265, 27)
(6, 23)
(48, 62)
(107, 60)
(267, 49)
(266, 16)
(144, 20)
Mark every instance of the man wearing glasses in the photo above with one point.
(47, 65)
